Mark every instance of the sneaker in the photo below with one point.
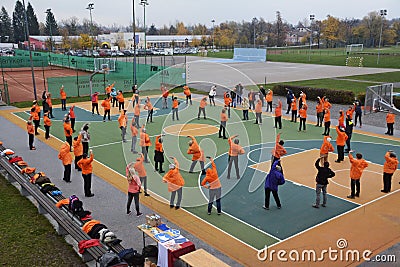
(209, 213)
(33, 148)
(323, 205)
(315, 206)
(129, 213)
(138, 214)
(219, 213)
(350, 196)
(177, 207)
(279, 207)
(91, 195)
(146, 195)
(171, 206)
(161, 171)
(337, 161)
(264, 207)
(357, 195)
(383, 191)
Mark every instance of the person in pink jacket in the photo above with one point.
(134, 185)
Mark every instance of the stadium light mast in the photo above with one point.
(48, 12)
(383, 13)
(30, 51)
(144, 3)
(213, 33)
(90, 8)
(312, 17)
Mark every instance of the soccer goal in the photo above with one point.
(354, 48)
(354, 61)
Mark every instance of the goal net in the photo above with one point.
(354, 48)
(354, 61)
(378, 97)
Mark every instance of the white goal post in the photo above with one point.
(354, 61)
(354, 48)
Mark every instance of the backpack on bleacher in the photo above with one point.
(75, 205)
(110, 259)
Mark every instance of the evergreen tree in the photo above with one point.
(18, 22)
(33, 23)
(51, 25)
(5, 26)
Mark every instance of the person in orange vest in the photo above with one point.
(175, 183)
(72, 117)
(293, 107)
(340, 142)
(211, 181)
(159, 154)
(320, 112)
(68, 130)
(108, 89)
(188, 94)
(164, 94)
(202, 108)
(65, 156)
(389, 167)
(134, 186)
(31, 134)
(35, 116)
(234, 151)
(134, 132)
(350, 112)
(86, 165)
(357, 167)
(149, 107)
(136, 112)
(327, 121)
(47, 124)
(63, 97)
(78, 150)
(107, 108)
(341, 119)
(144, 143)
(175, 105)
(121, 101)
(198, 155)
(50, 104)
(326, 103)
(258, 111)
(141, 171)
(37, 109)
(303, 116)
(269, 99)
(227, 103)
(123, 121)
(251, 100)
(222, 126)
(95, 103)
(278, 151)
(301, 99)
(326, 147)
(390, 119)
(278, 115)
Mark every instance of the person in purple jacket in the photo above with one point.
(272, 181)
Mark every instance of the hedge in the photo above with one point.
(335, 96)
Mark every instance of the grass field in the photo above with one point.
(27, 238)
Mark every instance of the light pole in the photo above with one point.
(144, 4)
(90, 7)
(134, 43)
(254, 32)
(383, 13)
(30, 51)
(312, 17)
(213, 37)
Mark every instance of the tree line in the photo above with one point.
(329, 32)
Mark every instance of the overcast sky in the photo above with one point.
(160, 12)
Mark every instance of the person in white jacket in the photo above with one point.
(212, 94)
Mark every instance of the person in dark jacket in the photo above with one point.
(322, 181)
(272, 181)
(358, 110)
(289, 98)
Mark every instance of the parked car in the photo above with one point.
(95, 54)
(127, 53)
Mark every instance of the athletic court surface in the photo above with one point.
(370, 222)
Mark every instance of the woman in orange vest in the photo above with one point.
(107, 108)
(258, 111)
(175, 105)
(72, 117)
(121, 101)
(234, 151)
(327, 121)
(165, 93)
(293, 107)
(303, 116)
(320, 112)
(389, 167)
(134, 132)
(136, 112)
(278, 151)
(68, 131)
(47, 124)
(149, 107)
(278, 115)
(326, 147)
(50, 104)
(134, 185)
(211, 181)
(141, 171)
(202, 108)
(109, 88)
(188, 94)
(269, 98)
(251, 100)
(86, 165)
(341, 119)
(340, 142)
(222, 126)
(123, 121)
(227, 102)
(78, 150)
(65, 156)
(95, 103)
(175, 183)
(63, 96)
(390, 119)
(357, 167)
(35, 116)
(198, 155)
(159, 154)
(31, 134)
(145, 143)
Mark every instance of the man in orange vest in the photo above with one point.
(340, 142)
(65, 156)
(222, 126)
(188, 94)
(123, 121)
(389, 167)
(149, 107)
(35, 111)
(159, 154)
(202, 108)
(136, 112)
(278, 151)
(107, 108)
(50, 104)
(47, 124)
(198, 154)
(258, 111)
(72, 117)
(303, 116)
(95, 103)
(234, 151)
(320, 112)
(68, 131)
(175, 105)
(390, 119)
(141, 171)
(31, 134)
(269, 98)
(86, 165)
(278, 115)
(327, 121)
(211, 181)
(78, 150)
(357, 167)
(121, 101)
(228, 102)
(63, 96)
(165, 93)
(326, 147)
(293, 106)
(134, 132)
(144, 143)
(175, 183)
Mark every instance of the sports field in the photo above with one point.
(245, 227)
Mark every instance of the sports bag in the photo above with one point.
(75, 205)
(132, 257)
(150, 251)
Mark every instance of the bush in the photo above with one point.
(335, 96)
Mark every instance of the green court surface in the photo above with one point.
(243, 217)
